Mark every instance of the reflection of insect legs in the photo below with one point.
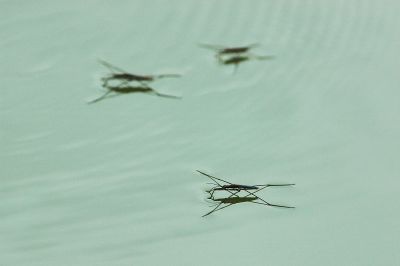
(234, 199)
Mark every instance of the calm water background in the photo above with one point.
(114, 183)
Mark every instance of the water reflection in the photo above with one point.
(120, 90)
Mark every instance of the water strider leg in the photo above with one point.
(236, 66)
(167, 76)
(268, 185)
(275, 185)
(144, 84)
(215, 178)
(230, 204)
(216, 48)
(167, 95)
(105, 81)
(212, 193)
(260, 57)
(272, 205)
(208, 213)
(216, 209)
(100, 98)
(265, 202)
(111, 67)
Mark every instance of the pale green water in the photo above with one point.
(114, 183)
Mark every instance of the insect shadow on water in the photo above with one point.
(119, 82)
(235, 55)
(234, 190)
(116, 91)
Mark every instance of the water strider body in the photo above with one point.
(126, 77)
(236, 187)
(221, 50)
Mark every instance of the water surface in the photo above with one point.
(114, 183)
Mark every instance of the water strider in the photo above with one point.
(234, 189)
(125, 77)
(235, 55)
(122, 79)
